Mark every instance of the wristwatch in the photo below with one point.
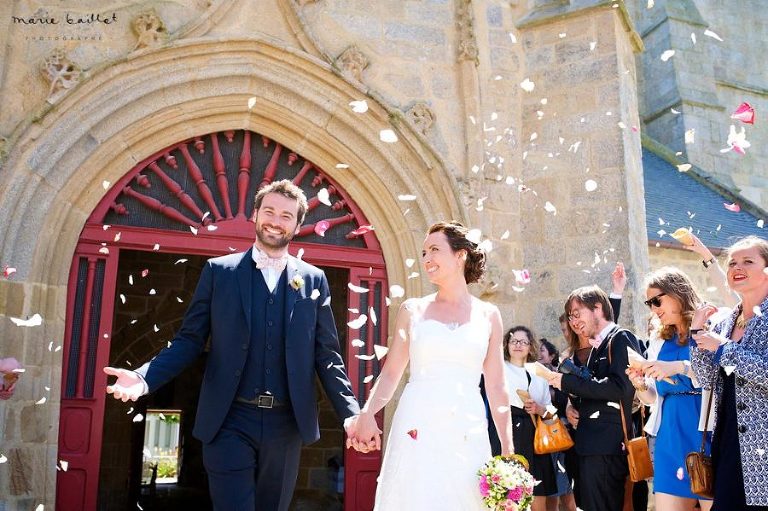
(686, 367)
(708, 262)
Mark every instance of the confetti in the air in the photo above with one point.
(357, 289)
(685, 167)
(363, 229)
(41, 401)
(522, 277)
(315, 294)
(406, 198)
(105, 185)
(693, 37)
(729, 369)
(387, 136)
(737, 141)
(396, 291)
(372, 315)
(342, 165)
(156, 247)
(679, 473)
(550, 208)
(251, 102)
(8, 271)
(35, 320)
(527, 85)
(380, 351)
(193, 229)
(368, 379)
(713, 35)
(3, 459)
(732, 207)
(321, 227)
(324, 197)
(64, 465)
(414, 434)
(595, 415)
(181, 261)
(667, 55)
(138, 417)
(590, 185)
(690, 136)
(144, 272)
(745, 113)
(359, 107)
(357, 323)
(357, 343)
(474, 235)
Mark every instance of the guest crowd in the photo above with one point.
(698, 380)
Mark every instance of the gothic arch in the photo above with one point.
(126, 112)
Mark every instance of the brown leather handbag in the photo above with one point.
(638, 452)
(699, 465)
(551, 436)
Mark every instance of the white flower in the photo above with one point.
(297, 282)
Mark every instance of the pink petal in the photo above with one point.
(745, 113)
(144, 272)
(8, 271)
(321, 227)
(732, 207)
(739, 149)
(362, 230)
(414, 434)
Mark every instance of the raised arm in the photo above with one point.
(496, 384)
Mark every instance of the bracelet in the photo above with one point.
(708, 262)
(694, 331)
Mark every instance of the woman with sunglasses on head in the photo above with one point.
(520, 347)
(667, 384)
(732, 359)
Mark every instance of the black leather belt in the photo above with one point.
(262, 401)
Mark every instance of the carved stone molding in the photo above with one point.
(352, 62)
(467, 43)
(421, 116)
(61, 73)
(150, 30)
(305, 2)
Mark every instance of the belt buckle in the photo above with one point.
(265, 401)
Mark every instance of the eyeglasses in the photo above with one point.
(519, 342)
(655, 301)
(575, 314)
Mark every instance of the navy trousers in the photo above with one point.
(253, 461)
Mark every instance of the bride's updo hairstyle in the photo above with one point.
(456, 233)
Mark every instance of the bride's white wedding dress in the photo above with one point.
(439, 437)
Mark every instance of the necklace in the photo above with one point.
(741, 321)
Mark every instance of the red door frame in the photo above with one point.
(82, 413)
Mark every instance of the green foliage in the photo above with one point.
(166, 468)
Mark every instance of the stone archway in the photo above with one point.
(59, 164)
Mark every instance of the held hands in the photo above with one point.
(128, 387)
(637, 378)
(363, 434)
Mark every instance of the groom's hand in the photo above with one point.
(129, 385)
(363, 434)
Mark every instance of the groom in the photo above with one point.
(271, 329)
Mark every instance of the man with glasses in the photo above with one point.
(599, 437)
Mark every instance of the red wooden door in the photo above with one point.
(195, 197)
(363, 364)
(90, 303)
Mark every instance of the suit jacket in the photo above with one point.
(597, 400)
(221, 308)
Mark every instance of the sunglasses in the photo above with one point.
(655, 301)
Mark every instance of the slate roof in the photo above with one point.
(682, 201)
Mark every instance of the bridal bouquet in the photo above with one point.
(505, 484)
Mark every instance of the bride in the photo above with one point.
(439, 437)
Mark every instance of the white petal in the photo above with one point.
(359, 107)
(368, 378)
(387, 136)
(324, 197)
(251, 102)
(357, 343)
(357, 323)
(396, 291)
(357, 289)
(138, 417)
(380, 351)
(590, 185)
(35, 320)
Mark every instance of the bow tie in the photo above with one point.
(262, 261)
(595, 343)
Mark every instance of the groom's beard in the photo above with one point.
(272, 240)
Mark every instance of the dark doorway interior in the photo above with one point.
(152, 293)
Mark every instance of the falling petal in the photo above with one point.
(156, 247)
(180, 261)
(505, 235)
(614, 405)
(357, 343)
(550, 208)
(732, 207)
(693, 37)
(40, 401)
(713, 35)
(324, 197)
(122, 298)
(251, 102)
(756, 310)
(212, 227)
(144, 272)
(396, 291)
(522, 277)
(3, 459)
(729, 369)
(193, 229)
(372, 315)
(667, 55)
(138, 417)
(359, 107)
(321, 227)
(760, 452)
(178, 299)
(363, 229)
(35, 320)
(357, 289)
(342, 165)
(315, 294)
(590, 185)
(365, 357)
(760, 223)
(104, 250)
(474, 235)
(357, 323)
(486, 246)
(64, 465)
(406, 198)
(680, 474)
(527, 85)
(685, 167)
(387, 136)
(595, 415)
(117, 237)
(414, 434)
(155, 328)
(152, 291)
(410, 262)
(368, 379)
(380, 351)
(745, 113)
(8, 271)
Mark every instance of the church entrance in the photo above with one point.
(133, 273)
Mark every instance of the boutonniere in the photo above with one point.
(297, 282)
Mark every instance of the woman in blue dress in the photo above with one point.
(667, 383)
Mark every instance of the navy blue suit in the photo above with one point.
(223, 308)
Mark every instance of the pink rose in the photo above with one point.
(496, 478)
(515, 494)
(484, 487)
